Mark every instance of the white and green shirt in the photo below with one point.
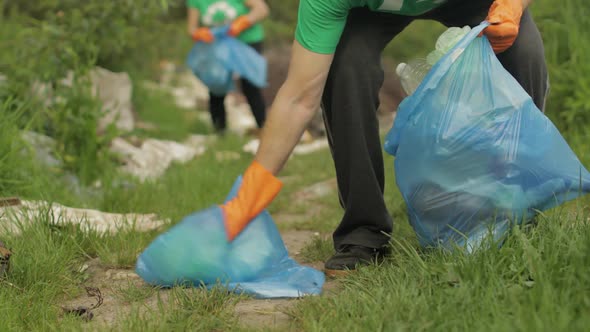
(320, 22)
(221, 12)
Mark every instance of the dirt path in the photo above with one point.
(116, 306)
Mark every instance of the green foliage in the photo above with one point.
(566, 33)
(15, 171)
(73, 121)
(47, 43)
(280, 25)
(535, 282)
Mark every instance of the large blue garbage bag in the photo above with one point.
(215, 63)
(196, 252)
(474, 155)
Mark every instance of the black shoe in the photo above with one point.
(351, 256)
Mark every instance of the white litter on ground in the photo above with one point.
(23, 213)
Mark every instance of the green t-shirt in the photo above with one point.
(216, 13)
(320, 22)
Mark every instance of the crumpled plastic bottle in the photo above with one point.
(446, 41)
(412, 73)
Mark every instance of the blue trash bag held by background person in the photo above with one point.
(196, 252)
(474, 155)
(215, 63)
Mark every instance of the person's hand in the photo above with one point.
(504, 18)
(203, 34)
(239, 25)
(258, 189)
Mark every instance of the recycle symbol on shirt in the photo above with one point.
(219, 13)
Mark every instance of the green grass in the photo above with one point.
(157, 108)
(318, 250)
(130, 292)
(537, 281)
(184, 310)
(47, 257)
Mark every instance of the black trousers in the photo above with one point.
(350, 103)
(253, 96)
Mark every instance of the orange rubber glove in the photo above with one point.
(259, 187)
(203, 34)
(504, 18)
(239, 25)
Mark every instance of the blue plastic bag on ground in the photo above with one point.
(215, 63)
(474, 155)
(196, 251)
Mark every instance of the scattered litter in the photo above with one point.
(153, 157)
(239, 116)
(314, 146)
(86, 312)
(121, 275)
(199, 141)
(301, 149)
(83, 268)
(15, 215)
(187, 90)
(529, 283)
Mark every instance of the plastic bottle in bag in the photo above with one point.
(412, 73)
(445, 42)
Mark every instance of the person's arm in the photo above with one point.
(196, 33)
(192, 20)
(294, 106)
(318, 31)
(258, 11)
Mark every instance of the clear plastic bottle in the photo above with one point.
(446, 41)
(450, 37)
(411, 74)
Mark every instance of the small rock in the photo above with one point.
(252, 146)
(44, 147)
